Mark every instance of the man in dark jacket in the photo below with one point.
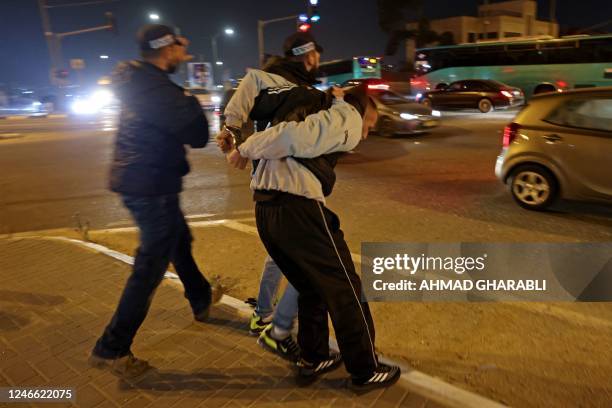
(157, 120)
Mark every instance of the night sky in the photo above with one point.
(347, 28)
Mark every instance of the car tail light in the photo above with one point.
(510, 133)
(507, 94)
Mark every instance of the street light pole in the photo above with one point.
(213, 44)
(261, 24)
(215, 52)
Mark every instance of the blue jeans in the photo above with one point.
(164, 239)
(287, 307)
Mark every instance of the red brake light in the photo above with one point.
(510, 133)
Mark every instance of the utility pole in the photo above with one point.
(553, 15)
(54, 40)
(261, 24)
(553, 11)
(49, 36)
(485, 22)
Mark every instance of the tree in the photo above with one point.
(393, 17)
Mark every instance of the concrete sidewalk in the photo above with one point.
(55, 299)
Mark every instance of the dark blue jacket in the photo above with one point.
(157, 120)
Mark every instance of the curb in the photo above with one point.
(430, 387)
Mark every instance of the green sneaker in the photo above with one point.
(286, 348)
(257, 325)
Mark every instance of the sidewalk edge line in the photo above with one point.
(427, 386)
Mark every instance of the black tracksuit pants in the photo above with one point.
(304, 239)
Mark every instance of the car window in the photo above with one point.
(456, 86)
(593, 113)
(475, 86)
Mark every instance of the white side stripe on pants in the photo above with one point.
(365, 321)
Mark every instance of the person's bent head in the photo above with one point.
(160, 46)
(359, 98)
(302, 47)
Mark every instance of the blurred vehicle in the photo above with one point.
(560, 145)
(373, 83)
(101, 100)
(398, 115)
(484, 95)
(209, 100)
(20, 105)
(534, 64)
(339, 71)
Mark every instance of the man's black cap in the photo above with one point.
(155, 36)
(299, 44)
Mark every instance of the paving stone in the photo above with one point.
(46, 338)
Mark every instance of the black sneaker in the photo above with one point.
(287, 348)
(309, 372)
(384, 376)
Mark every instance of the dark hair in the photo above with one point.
(358, 97)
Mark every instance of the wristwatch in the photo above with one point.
(236, 134)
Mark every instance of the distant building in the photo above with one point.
(495, 21)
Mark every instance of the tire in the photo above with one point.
(544, 88)
(533, 187)
(386, 127)
(427, 103)
(485, 105)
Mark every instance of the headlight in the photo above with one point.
(102, 98)
(215, 99)
(408, 116)
(84, 107)
(436, 113)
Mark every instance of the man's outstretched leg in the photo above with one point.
(156, 218)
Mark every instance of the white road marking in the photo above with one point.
(237, 226)
(194, 216)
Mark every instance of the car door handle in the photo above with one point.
(553, 138)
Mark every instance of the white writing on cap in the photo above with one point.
(303, 49)
(162, 42)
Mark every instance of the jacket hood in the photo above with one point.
(293, 71)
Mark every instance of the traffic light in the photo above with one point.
(111, 22)
(304, 27)
(305, 21)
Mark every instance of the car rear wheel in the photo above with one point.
(544, 88)
(427, 102)
(533, 187)
(485, 105)
(386, 127)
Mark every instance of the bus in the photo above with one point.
(533, 65)
(339, 71)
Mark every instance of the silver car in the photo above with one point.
(560, 145)
(398, 115)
